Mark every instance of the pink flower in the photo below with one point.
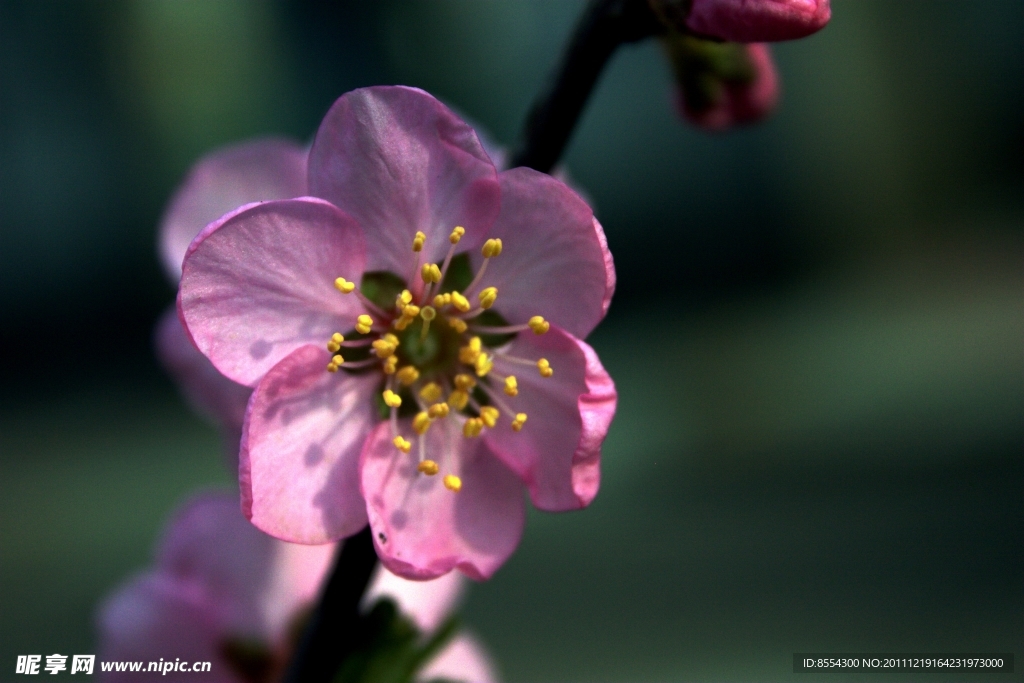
(722, 85)
(406, 404)
(223, 592)
(749, 21)
(261, 169)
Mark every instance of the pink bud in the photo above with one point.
(748, 21)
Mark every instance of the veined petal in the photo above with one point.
(558, 451)
(223, 180)
(298, 465)
(555, 261)
(209, 392)
(400, 162)
(420, 528)
(259, 283)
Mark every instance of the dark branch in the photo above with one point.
(330, 635)
(604, 26)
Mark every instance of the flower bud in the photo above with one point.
(745, 21)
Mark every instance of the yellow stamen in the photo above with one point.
(545, 368)
(402, 444)
(489, 414)
(430, 273)
(458, 399)
(403, 323)
(458, 325)
(438, 410)
(391, 339)
(335, 363)
(428, 467)
(457, 234)
(488, 296)
(391, 399)
(408, 375)
(344, 286)
(460, 302)
(402, 299)
(383, 348)
(452, 483)
(421, 423)
(470, 352)
(410, 311)
(418, 240)
(431, 392)
(472, 427)
(335, 342)
(483, 364)
(464, 381)
(518, 423)
(538, 324)
(390, 363)
(491, 248)
(363, 324)
(442, 300)
(511, 385)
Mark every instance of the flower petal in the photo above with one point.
(750, 21)
(259, 283)
(400, 162)
(210, 393)
(464, 659)
(223, 180)
(298, 465)
(427, 603)
(558, 451)
(555, 260)
(421, 529)
(257, 581)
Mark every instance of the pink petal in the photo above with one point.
(256, 582)
(427, 603)
(750, 21)
(210, 393)
(298, 466)
(463, 660)
(421, 529)
(555, 260)
(399, 161)
(259, 283)
(740, 103)
(154, 617)
(223, 180)
(558, 451)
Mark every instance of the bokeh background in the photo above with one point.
(817, 335)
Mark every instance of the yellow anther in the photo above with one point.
(518, 423)
(332, 345)
(382, 348)
(470, 352)
(408, 375)
(418, 240)
(438, 410)
(460, 302)
(491, 248)
(488, 296)
(458, 325)
(401, 444)
(337, 359)
(391, 399)
(410, 311)
(511, 385)
(344, 286)
(337, 337)
(538, 324)
(457, 234)
(391, 339)
(452, 483)
(428, 467)
(489, 414)
(431, 392)
(440, 301)
(458, 399)
(545, 368)
(363, 324)
(390, 363)
(428, 313)
(403, 323)
(421, 423)
(331, 367)
(473, 427)
(464, 381)
(483, 364)
(402, 299)
(430, 272)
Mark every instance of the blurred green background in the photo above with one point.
(817, 335)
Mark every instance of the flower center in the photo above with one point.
(434, 338)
